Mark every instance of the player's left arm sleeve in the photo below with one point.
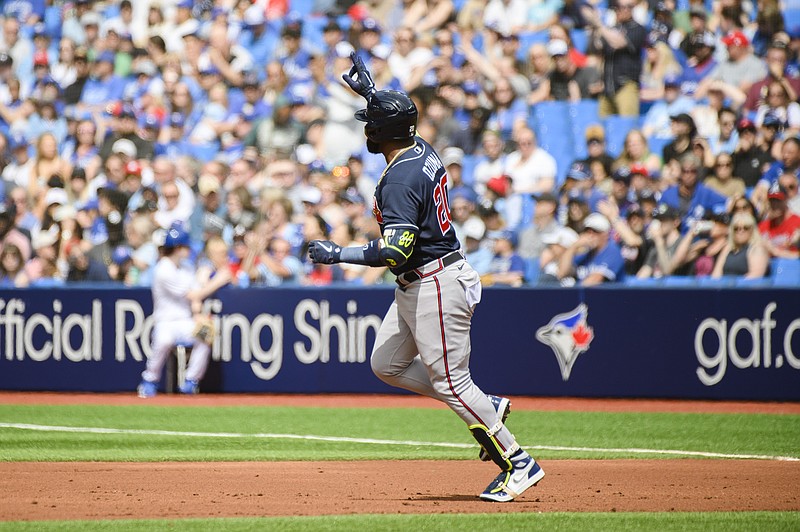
(392, 250)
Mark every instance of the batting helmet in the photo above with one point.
(176, 236)
(389, 115)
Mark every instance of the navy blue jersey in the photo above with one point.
(412, 193)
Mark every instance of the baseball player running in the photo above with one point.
(176, 311)
(423, 344)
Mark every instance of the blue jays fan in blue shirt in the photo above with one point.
(423, 343)
(594, 258)
(689, 196)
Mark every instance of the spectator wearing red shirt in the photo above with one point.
(781, 229)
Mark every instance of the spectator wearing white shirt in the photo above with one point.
(531, 168)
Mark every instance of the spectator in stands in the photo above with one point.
(620, 189)
(745, 255)
(538, 67)
(277, 266)
(478, 255)
(622, 45)
(777, 103)
(86, 154)
(598, 162)
(780, 230)
(576, 212)
(723, 180)
(555, 244)
(684, 133)
(691, 198)
(239, 211)
(665, 235)
(531, 168)
(700, 63)
(531, 238)
(427, 15)
(492, 162)
(507, 268)
(789, 182)
(124, 126)
(407, 55)
(462, 208)
(778, 69)
(749, 160)
(636, 151)
(275, 137)
(42, 269)
(103, 85)
(628, 233)
(594, 258)
(12, 273)
(509, 112)
(701, 245)
(659, 67)
(176, 199)
(567, 81)
(74, 89)
(739, 72)
(728, 137)
(215, 258)
(19, 203)
(789, 163)
(657, 122)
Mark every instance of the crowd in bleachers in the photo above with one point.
(587, 141)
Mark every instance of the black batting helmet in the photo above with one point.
(390, 115)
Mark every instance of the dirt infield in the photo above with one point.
(36, 491)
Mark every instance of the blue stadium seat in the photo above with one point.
(616, 128)
(785, 272)
(532, 271)
(632, 280)
(720, 282)
(680, 280)
(580, 39)
(582, 115)
(550, 118)
(468, 164)
(656, 145)
(753, 283)
(204, 153)
(302, 8)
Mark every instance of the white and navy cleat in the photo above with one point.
(509, 485)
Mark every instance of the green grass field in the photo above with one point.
(153, 433)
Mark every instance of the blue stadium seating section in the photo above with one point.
(784, 273)
(561, 126)
(616, 128)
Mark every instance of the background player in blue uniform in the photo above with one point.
(423, 344)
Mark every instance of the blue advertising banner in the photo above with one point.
(602, 342)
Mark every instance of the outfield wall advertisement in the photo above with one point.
(603, 342)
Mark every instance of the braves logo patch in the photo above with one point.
(376, 211)
(568, 335)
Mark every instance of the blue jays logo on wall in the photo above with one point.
(568, 336)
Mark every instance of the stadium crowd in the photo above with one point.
(119, 118)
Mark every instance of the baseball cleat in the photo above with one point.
(189, 388)
(501, 404)
(509, 485)
(147, 389)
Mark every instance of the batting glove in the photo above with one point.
(359, 78)
(324, 252)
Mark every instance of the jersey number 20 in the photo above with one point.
(442, 205)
